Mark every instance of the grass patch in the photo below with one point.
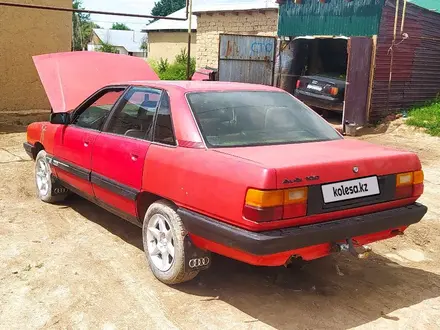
(175, 70)
(426, 116)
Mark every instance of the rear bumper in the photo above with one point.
(29, 148)
(320, 101)
(281, 240)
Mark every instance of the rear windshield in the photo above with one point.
(243, 118)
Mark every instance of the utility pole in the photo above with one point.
(189, 15)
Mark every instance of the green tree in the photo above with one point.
(107, 48)
(166, 7)
(120, 26)
(82, 27)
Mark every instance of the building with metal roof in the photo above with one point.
(126, 42)
(167, 38)
(432, 5)
(393, 50)
(217, 18)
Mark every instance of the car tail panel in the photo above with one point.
(386, 185)
(318, 85)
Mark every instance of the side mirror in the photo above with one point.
(61, 118)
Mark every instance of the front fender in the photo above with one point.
(43, 133)
(34, 132)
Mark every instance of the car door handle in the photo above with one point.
(134, 157)
(86, 144)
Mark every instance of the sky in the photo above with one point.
(124, 6)
(131, 7)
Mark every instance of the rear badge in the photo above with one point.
(355, 169)
(297, 180)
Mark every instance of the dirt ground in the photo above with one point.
(75, 266)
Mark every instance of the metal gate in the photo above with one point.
(358, 80)
(245, 58)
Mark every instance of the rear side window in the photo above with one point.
(163, 132)
(247, 118)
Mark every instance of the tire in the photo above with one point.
(45, 181)
(162, 226)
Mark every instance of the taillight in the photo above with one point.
(409, 184)
(334, 91)
(270, 205)
(331, 90)
(298, 83)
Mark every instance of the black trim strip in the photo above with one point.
(100, 180)
(102, 204)
(78, 171)
(29, 148)
(280, 240)
(115, 187)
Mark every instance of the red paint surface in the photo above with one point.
(201, 74)
(214, 182)
(66, 76)
(332, 161)
(121, 160)
(74, 145)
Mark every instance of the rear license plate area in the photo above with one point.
(314, 87)
(351, 189)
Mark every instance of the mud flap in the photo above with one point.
(195, 258)
(57, 187)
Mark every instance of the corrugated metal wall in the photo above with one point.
(416, 64)
(246, 58)
(336, 17)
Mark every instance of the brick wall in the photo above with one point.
(210, 26)
(23, 34)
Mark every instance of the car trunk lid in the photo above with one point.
(320, 85)
(339, 175)
(318, 163)
(69, 78)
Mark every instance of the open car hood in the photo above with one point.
(69, 78)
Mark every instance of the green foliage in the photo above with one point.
(153, 64)
(107, 48)
(166, 7)
(175, 70)
(82, 27)
(162, 65)
(120, 26)
(426, 116)
(182, 58)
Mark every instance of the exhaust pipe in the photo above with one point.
(294, 260)
(359, 252)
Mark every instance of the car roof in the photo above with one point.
(202, 86)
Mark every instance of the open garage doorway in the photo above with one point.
(329, 74)
(321, 71)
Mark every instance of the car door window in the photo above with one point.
(97, 110)
(135, 115)
(163, 131)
